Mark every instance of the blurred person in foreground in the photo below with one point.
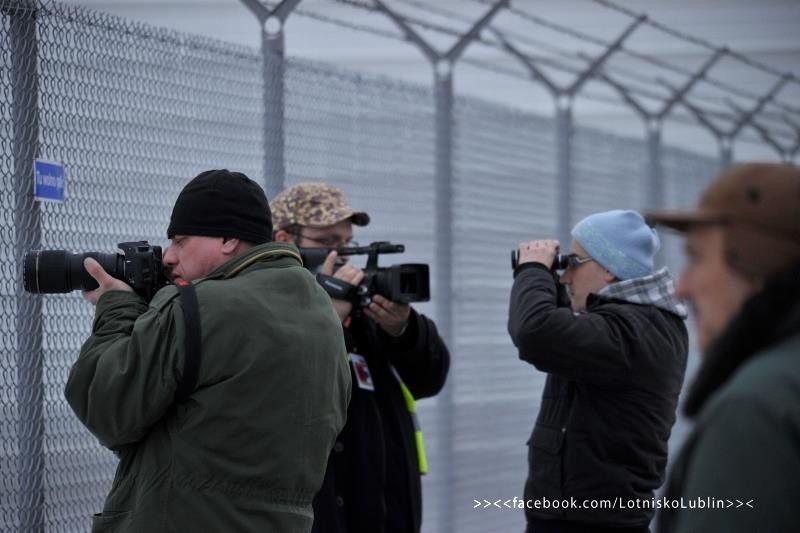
(244, 446)
(615, 355)
(372, 483)
(742, 278)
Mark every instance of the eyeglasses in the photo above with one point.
(574, 261)
(329, 242)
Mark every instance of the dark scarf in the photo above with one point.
(766, 318)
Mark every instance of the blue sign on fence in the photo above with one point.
(49, 181)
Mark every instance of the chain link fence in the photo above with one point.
(134, 112)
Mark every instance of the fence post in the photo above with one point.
(655, 187)
(443, 64)
(27, 222)
(564, 167)
(795, 148)
(443, 86)
(725, 152)
(273, 72)
(443, 73)
(564, 96)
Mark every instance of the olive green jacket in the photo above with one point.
(739, 469)
(248, 449)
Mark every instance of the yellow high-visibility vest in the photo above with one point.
(411, 405)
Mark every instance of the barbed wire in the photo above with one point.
(616, 70)
(624, 72)
(655, 61)
(542, 60)
(344, 23)
(628, 75)
(696, 40)
(651, 59)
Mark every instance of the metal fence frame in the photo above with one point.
(450, 179)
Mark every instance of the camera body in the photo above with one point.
(404, 283)
(59, 271)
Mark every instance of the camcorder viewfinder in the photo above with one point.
(59, 271)
(403, 283)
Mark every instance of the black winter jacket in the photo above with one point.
(614, 375)
(372, 483)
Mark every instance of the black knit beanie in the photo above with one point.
(221, 203)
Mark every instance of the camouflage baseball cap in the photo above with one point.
(313, 204)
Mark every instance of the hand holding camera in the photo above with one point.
(346, 273)
(404, 283)
(544, 251)
(381, 293)
(57, 271)
(391, 316)
(105, 281)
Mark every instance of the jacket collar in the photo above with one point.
(262, 253)
(767, 318)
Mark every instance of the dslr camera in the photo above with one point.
(58, 271)
(404, 283)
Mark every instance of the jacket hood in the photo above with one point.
(657, 289)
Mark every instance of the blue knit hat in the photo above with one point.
(621, 241)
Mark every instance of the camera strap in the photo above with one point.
(336, 288)
(191, 320)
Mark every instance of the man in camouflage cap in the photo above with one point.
(372, 482)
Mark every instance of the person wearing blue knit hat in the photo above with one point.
(619, 240)
(610, 335)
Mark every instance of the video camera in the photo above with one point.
(405, 283)
(59, 271)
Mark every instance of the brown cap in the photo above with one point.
(759, 206)
(313, 204)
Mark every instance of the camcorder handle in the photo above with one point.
(337, 289)
(375, 249)
(314, 257)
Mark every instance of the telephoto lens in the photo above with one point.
(57, 271)
(54, 271)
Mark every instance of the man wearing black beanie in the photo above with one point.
(221, 407)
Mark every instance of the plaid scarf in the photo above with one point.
(657, 289)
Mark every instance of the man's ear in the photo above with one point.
(230, 246)
(283, 236)
(609, 278)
